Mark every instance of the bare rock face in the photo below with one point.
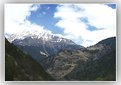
(41, 45)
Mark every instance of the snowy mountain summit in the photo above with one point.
(29, 33)
(35, 34)
(41, 45)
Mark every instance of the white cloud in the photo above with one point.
(15, 18)
(98, 15)
(34, 7)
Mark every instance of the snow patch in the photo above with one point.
(42, 53)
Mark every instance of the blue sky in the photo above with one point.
(113, 6)
(44, 17)
(85, 24)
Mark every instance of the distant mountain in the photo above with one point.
(97, 62)
(21, 67)
(65, 60)
(41, 45)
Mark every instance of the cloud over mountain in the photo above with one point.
(76, 18)
(16, 18)
(85, 24)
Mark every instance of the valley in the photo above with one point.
(64, 60)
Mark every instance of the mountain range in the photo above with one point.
(61, 59)
(97, 62)
(41, 45)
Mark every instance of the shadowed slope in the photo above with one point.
(21, 67)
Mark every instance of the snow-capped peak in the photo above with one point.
(29, 33)
(37, 34)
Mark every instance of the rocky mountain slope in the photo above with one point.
(97, 62)
(65, 60)
(41, 45)
(21, 67)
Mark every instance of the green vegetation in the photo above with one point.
(21, 67)
(94, 63)
(103, 69)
